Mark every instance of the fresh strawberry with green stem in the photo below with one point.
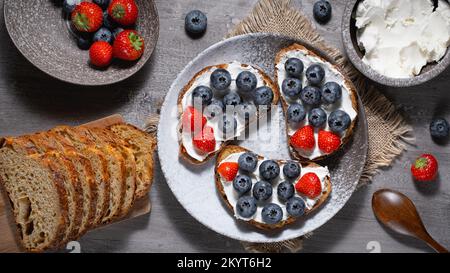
(425, 168)
(192, 120)
(101, 54)
(128, 45)
(309, 185)
(328, 141)
(124, 12)
(228, 170)
(205, 141)
(87, 17)
(303, 138)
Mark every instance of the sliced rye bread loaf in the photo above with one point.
(130, 165)
(37, 193)
(99, 163)
(72, 181)
(85, 175)
(143, 146)
(116, 170)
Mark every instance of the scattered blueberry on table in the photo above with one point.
(195, 23)
(439, 128)
(322, 11)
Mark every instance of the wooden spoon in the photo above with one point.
(398, 212)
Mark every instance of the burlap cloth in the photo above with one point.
(388, 131)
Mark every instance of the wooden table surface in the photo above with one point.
(30, 100)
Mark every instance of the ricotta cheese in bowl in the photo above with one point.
(400, 37)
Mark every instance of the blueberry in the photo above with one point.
(294, 67)
(248, 162)
(315, 74)
(262, 190)
(263, 96)
(291, 169)
(246, 206)
(295, 206)
(269, 170)
(220, 79)
(331, 92)
(231, 99)
(69, 5)
(204, 93)
(317, 117)
(117, 31)
(296, 113)
(310, 95)
(215, 109)
(322, 11)
(84, 42)
(108, 22)
(285, 191)
(102, 3)
(227, 125)
(272, 214)
(246, 81)
(291, 88)
(242, 184)
(103, 34)
(339, 121)
(195, 22)
(246, 111)
(439, 128)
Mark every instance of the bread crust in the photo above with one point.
(232, 149)
(347, 84)
(267, 82)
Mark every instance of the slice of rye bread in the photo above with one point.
(86, 176)
(130, 165)
(267, 82)
(73, 182)
(143, 146)
(38, 197)
(99, 164)
(116, 170)
(25, 146)
(229, 150)
(348, 84)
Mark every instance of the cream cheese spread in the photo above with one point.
(400, 37)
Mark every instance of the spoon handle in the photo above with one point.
(431, 242)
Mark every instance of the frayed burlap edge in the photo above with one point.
(278, 16)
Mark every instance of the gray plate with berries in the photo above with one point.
(193, 185)
(44, 34)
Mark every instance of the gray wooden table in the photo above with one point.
(31, 100)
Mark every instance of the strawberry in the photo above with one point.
(304, 138)
(204, 141)
(328, 141)
(228, 170)
(309, 185)
(192, 120)
(101, 54)
(124, 12)
(128, 45)
(87, 17)
(425, 168)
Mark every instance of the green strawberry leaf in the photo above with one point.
(136, 41)
(118, 11)
(81, 21)
(421, 163)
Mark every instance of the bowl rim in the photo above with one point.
(375, 76)
(68, 80)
